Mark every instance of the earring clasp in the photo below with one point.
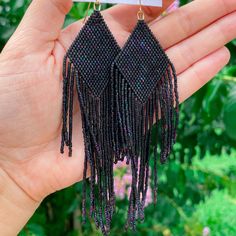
(140, 13)
(97, 5)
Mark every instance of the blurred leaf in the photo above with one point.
(6, 32)
(234, 42)
(211, 95)
(33, 230)
(230, 114)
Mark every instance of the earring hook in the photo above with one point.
(97, 5)
(140, 13)
(87, 12)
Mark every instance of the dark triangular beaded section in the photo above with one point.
(93, 52)
(142, 61)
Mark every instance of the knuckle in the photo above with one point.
(184, 20)
(150, 12)
(62, 6)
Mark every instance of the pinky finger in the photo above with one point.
(201, 72)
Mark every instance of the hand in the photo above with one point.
(31, 85)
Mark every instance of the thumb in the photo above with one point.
(41, 24)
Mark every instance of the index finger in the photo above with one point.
(190, 19)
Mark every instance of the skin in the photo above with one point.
(31, 166)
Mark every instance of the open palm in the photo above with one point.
(31, 84)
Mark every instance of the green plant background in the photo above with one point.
(197, 188)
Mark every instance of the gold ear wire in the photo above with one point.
(86, 15)
(97, 5)
(140, 13)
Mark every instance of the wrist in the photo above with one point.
(16, 207)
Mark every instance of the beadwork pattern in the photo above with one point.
(92, 53)
(142, 61)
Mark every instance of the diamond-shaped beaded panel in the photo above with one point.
(93, 52)
(142, 62)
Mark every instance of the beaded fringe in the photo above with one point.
(96, 120)
(132, 133)
(118, 114)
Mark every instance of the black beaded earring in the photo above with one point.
(145, 85)
(87, 64)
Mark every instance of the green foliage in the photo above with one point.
(214, 163)
(229, 112)
(197, 188)
(33, 230)
(217, 212)
(11, 13)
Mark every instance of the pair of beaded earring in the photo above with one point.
(121, 92)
